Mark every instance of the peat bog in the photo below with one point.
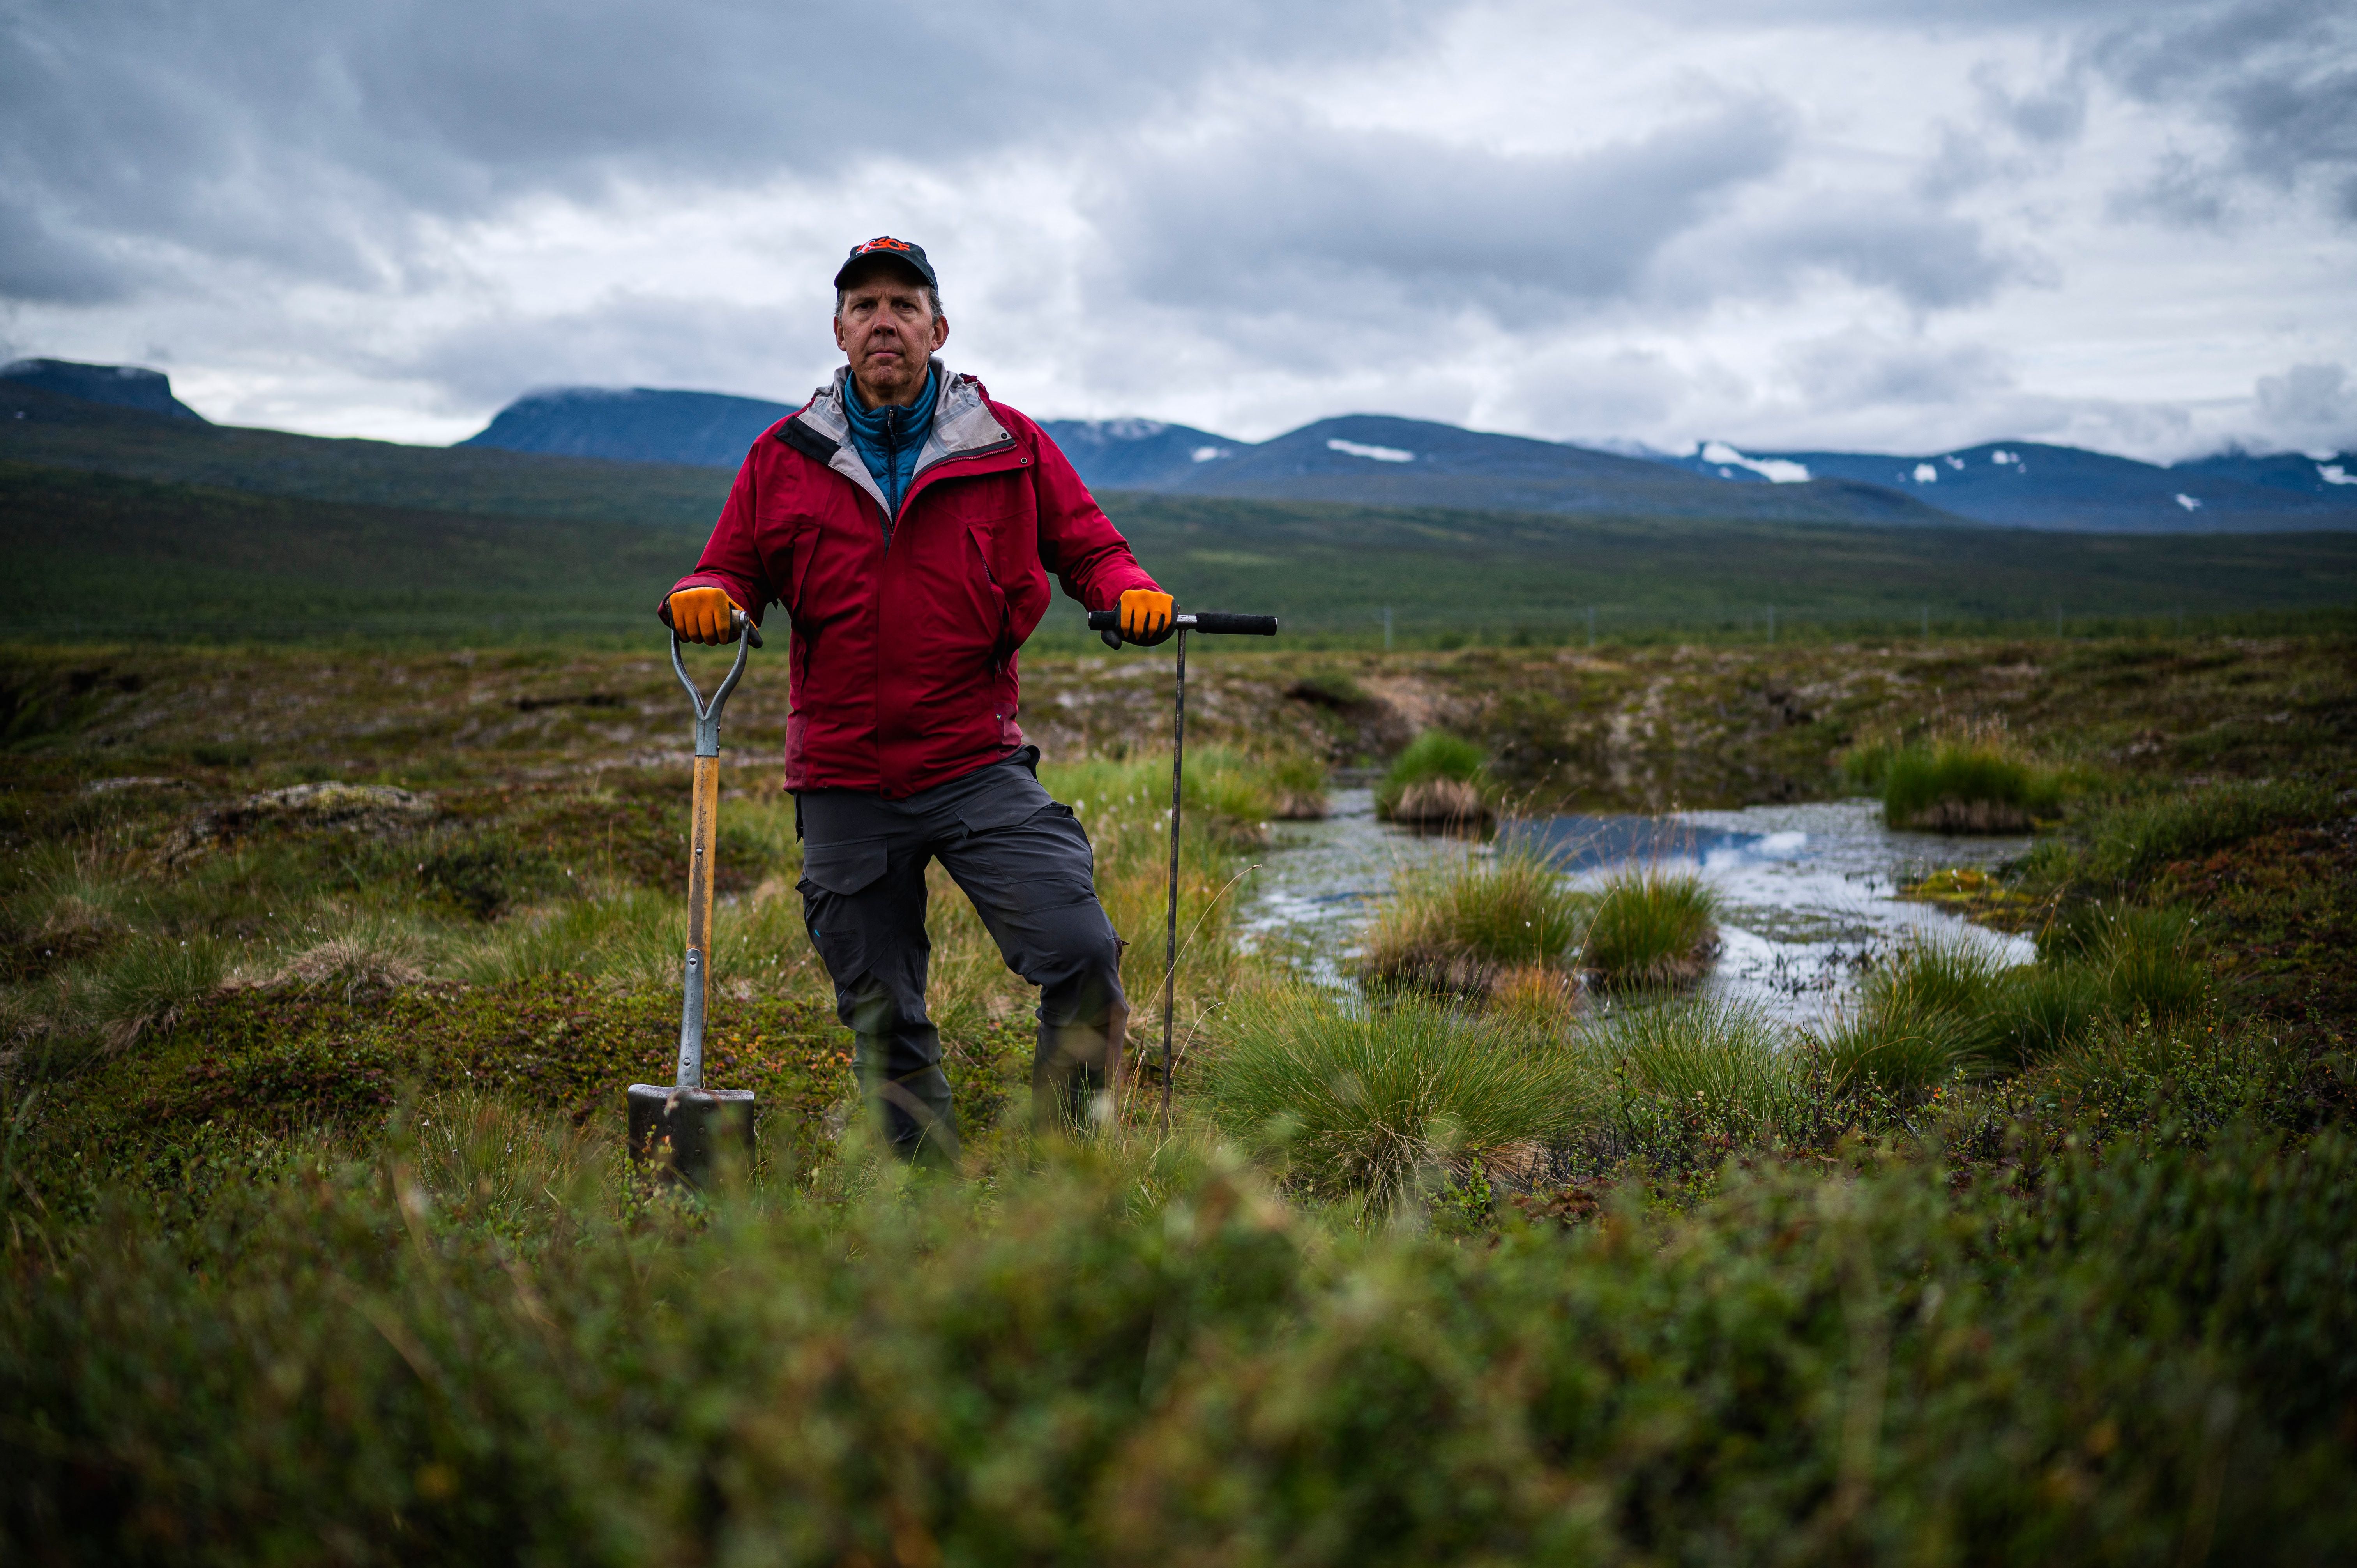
(320, 1244)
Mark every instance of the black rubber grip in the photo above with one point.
(1212, 621)
(1235, 625)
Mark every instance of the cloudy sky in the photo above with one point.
(1843, 223)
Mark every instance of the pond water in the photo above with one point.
(1807, 892)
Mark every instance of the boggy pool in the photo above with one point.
(1808, 894)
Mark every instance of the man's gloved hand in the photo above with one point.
(705, 615)
(1147, 616)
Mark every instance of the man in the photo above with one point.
(908, 523)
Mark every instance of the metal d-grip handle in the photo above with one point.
(1212, 621)
(707, 711)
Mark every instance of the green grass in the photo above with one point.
(1452, 577)
(1435, 760)
(1650, 928)
(1376, 1103)
(1939, 1009)
(1964, 783)
(1296, 783)
(1464, 928)
(2128, 841)
(1722, 1066)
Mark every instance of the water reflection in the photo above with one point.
(1809, 893)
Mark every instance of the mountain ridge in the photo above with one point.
(2030, 484)
(664, 451)
(1388, 460)
(117, 386)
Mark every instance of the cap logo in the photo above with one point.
(882, 243)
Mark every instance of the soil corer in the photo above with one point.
(1108, 623)
(682, 1124)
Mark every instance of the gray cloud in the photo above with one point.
(1928, 259)
(37, 264)
(2176, 190)
(2309, 406)
(626, 339)
(1286, 213)
(2049, 115)
(1859, 369)
(1241, 212)
(313, 138)
(2278, 77)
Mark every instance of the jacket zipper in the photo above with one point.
(909, 494)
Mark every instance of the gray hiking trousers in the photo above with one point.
(1025, 863)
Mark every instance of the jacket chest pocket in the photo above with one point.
(827, 557)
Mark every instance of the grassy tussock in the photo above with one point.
(1296, 783)
(1513, 916)
(1439, 779)
(1726, 1065)
(1651, 929)
(1951, 1009)
(1380, 1101)
(1462, 929)
(1973, 781)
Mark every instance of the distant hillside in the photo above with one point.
(636, 424)
(1330, 569)
(100, 557)
(43, 427)
(1137, 453)
(2334, 475)
(1364, 460)
(123, 386)
(1376, 460)
(589, 453)
(1379, 460)
(2023, 484)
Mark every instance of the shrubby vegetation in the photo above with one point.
(2133, 1355)
(319, 1244)
(2121, 843)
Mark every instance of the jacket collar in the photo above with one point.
(963, 426)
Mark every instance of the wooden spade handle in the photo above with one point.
(704, 815)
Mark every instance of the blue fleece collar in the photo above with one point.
(889, 439)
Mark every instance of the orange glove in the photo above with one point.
(1147, 616)
(705, 615)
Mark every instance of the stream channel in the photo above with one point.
(1808, 895)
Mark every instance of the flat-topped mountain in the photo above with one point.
(121, 386)
(632, 424)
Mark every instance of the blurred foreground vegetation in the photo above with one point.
(324, 975)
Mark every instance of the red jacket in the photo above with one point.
(904, 633)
